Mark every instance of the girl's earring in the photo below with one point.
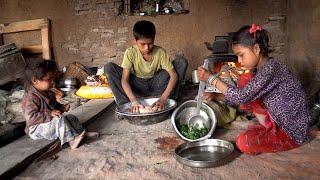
(257, 50)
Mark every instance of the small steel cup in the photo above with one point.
(194, 77)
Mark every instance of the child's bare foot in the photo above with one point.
(76, 141)
(92, 135)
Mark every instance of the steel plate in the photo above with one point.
(202, 154)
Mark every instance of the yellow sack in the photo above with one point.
(94, 92)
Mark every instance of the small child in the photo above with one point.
(43, 114)
(271, 92)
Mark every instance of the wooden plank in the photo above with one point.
(45, 43)
(89, 109)
(16, 156)
(29, 25)
(32, 49)
(1, 28)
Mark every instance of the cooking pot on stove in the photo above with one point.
(220, 45)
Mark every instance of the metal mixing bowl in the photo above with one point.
(146, 118)
(187, 110)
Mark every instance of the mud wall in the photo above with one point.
(91, 32)
(303, 29)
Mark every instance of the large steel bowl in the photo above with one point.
(146, 118)
(187, 110)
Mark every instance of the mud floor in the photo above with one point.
(126, 151)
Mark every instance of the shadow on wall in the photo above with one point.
(307, 74)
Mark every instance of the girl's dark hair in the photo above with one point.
(38, 70)
(144, 30)
(245, 38)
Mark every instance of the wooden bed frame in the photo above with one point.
(42, 25)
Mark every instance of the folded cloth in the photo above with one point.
(225, 114)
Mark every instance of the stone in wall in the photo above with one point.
(94, 6)
(276, 28)
(122, 30)
(100, 42)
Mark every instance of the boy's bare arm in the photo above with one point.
(126, 86)
(172, 82)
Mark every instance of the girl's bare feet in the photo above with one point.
(76, 141)
(92, 135)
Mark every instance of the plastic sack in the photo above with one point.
(95, 92)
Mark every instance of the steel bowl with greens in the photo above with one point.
(184, 112)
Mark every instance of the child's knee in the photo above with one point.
(71, 117)
(180, 62)
(242, 143)
(244, 146)
(109, 67)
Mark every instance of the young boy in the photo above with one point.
(146, 70)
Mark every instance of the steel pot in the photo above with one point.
(70, 82)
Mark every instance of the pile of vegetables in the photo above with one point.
(193, 132)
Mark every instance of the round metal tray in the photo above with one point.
(203, 154)
(146, 118)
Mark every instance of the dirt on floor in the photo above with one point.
(126, 151)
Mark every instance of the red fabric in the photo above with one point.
(259, 139)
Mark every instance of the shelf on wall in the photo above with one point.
(153, 7)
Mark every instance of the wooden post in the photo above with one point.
(1, 39)
(1, 32)
(46, 41)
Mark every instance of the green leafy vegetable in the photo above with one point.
(193, 132)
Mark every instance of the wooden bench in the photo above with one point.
(16, 156)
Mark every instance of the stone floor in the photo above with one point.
(126, 151)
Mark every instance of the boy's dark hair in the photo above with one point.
(144, 30)
(38, 70)
(245, 38)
